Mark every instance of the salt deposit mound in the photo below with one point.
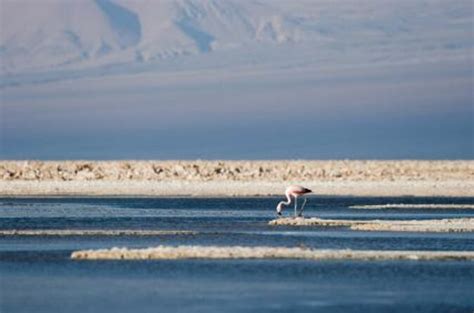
(92, 232)
(237, 252)
(412, 206)
(443, 225)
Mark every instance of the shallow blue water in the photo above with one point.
(36, 274)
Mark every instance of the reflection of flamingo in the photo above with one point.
(295, 191)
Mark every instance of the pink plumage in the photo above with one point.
(296, 190)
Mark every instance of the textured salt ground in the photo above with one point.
(246, 171)
(440, 225)
(238, 252)
(235, 178)
(93, 232)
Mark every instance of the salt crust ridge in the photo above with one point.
(238, 252)
(93, 232)
(235, 178)
(442, 225)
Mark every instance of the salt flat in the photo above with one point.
(235, 178)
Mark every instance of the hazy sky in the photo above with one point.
(275, 101)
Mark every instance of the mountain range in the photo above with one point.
(123, 36)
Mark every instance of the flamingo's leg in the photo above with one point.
(296, 206)
(302, 207)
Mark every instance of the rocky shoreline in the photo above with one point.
(235, 178)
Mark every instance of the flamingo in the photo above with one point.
(295, 191)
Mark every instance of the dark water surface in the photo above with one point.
(36, 274)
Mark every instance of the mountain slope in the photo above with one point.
(60, 35)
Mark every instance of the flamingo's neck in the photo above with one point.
(288, 200)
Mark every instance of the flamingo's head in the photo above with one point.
(279, 208)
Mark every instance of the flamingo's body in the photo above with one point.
(293, 191)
